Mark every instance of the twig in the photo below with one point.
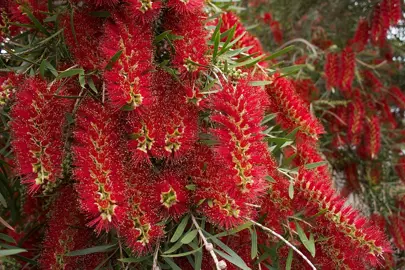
(284, 240)
(208, 246)
(306, 42)
(370, 66)
(155, 257)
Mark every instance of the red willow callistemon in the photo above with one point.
(138, 222)
(398, 96)
(292, 111)
(143, 11)
(67, 232)
(332, 65)
(83, 38)
(352, 178)
(348, 66)
(128, 80)
(306, 89)
(397, 229)
(361, 36)
(355, 118)
(373, 137)
(97, 164)
(316, 197)
(37, 128)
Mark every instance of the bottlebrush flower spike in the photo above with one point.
(190, 50)
(388, 115)
(380, 23)
(37, 124)
(400, 168)
(372, 81)
(276, 31)
(84, 41)
(332, 66)
(138, 223)
(355, 118)
(373, 137)
(361, 36)
(398, 96)
(67, 232)
(348, 65)
(98, 168)
(306, 89)
(352, 176)
(238, 112)
(294, 114)
(397, 229)
(395, 13)
(128, 81)
(337, 221)
(144, 11)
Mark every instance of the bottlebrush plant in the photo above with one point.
(159, 134)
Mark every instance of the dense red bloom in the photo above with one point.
(397, 229)
(293, 113)
(356, 114)
(138, 223)
(190, 50)
(98, 168)
(143, 11)
(83, 38)
(67, 232)
(361, 36)
(387, 114)
(351, 176)
(398, 96)
(348, 65)
(238, 114)
(128, 81)
(38, 119)
(276, 31)
(395, 12)
(102, 2)
(372, 81)
(379, 23)
(373, 137)
(306, 89)
(357, 238)
(332, 67)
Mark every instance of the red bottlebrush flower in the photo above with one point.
(388, 116)
(348, 65)
(67, 232)
(397, 230)
(17, 10)
(373, 137)
(238, 115)
(143, 11)
(357, 238)
(128, 81)
(294, 114)
(98, 167)
(395, 12)
(356, 115)
(84, 41)
(276, 30)
(192, 47)
(372, 81)
(38, 119)
(380, 23)
(267, 18)
(185, 6)
(361, 36)
(398, 96)
(171, 195)
(138, 223)
(102, 2)
(332, 66)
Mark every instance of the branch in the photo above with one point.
(284, 240)
(208, 246)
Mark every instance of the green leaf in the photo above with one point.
(36, 22)
(216, 45)
(234, 230)
(7, 238)
(268, 118)
(191, 187)
(253, 250)
(291, 190)
(70, 73)
(228, 39)
(175, 247)
(292, 134)
(279, 53)
(171, 263)
(289, 260)
(259, 83)
(180, 229)
(9, 252)
(189, 237)
(82, 80)
(249, 62)
(181, 254)
(113, 59)
(3, 201)
(91, 250)
(315, 164)
(100, 14)
(291, 70)
(134, 260)
(232, 257)
(91, 84)
(308, 243)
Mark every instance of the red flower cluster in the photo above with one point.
(386, 13)
(361, 36)
(373, 137)
(275, 27)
